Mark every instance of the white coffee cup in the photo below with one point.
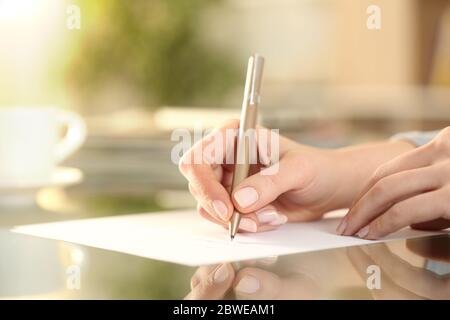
(31, 144)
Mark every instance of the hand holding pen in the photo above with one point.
(308, 181)
(225, 193)
(247, 125)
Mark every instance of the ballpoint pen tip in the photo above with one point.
(231, 238)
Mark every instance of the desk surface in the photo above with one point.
(38, 268)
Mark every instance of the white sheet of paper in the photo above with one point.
(185, 238)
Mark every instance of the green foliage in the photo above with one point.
(153, 46)
(120, 204)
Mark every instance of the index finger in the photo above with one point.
(413, 159)
(198, 166)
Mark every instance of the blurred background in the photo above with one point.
(136, 70)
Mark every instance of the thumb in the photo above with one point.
(212, 284)
(267, 185)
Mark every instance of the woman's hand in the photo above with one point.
(252, 282)
(302, 185)
(412, 189)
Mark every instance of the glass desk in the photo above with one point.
(37, 268)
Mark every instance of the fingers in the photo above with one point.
(249, 223)
(389, 290)
(433, 248)
(419, 157)
(201, 273)
(270, 217)
(198, 166)
(420, 208)
(262, 188)
(209, 192)
(205, 214)
(417, 280)
(208, 167)
(386, 192)
(210, 283)
(255, 284)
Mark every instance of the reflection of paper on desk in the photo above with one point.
(183, 237)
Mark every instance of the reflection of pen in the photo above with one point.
(248, 121)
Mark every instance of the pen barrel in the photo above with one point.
(246, 149)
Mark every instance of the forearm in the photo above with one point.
(356, 165)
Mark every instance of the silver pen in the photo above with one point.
(247, 121)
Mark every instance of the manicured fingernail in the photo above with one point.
(281, 219)
(246, 196)
(248, 225)
(267, 215)
(221, 209)
(363, 232)
(341, 227)
(248, 285)
(221, 274)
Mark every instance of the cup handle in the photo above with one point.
(75, 136)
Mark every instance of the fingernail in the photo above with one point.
(267, 215)
(246, 196)
(248, 225)
(341, 227)
(281, 219)
(221, 209)
(221, 274)
(363, 232)
(248, 285)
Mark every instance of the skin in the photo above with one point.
(412, 189)
(305, 275)
(400, 279)
(387, 185)
(311, 181)
(288, 284)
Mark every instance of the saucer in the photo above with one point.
(24, 192)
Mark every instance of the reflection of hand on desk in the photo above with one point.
(253, 281)
(310, 275)
(399, 279)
